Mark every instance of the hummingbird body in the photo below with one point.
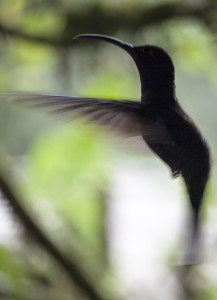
(158, 118)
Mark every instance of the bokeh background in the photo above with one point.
(111, 207)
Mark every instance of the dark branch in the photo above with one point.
(71, 268)
(13, 32)
(96, 19)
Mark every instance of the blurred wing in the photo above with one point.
(123, 116)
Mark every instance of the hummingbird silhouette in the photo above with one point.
(158, 118)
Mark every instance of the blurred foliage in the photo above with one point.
(63, 171)
(72, 185)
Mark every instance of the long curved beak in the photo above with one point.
(124, 45)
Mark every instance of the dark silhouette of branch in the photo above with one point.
(70, 267)
(96, 19)
(13, 32)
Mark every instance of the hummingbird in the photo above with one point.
(164, 126)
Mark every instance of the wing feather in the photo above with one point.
(123, 116)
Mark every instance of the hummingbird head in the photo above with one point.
(155, 66)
